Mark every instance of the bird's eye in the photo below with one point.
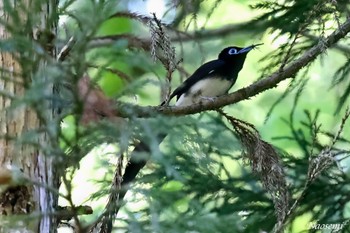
(232, 51)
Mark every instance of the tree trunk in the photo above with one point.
(26, 174)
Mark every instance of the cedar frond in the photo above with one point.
(265, 162)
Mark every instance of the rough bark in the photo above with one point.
(18, 159)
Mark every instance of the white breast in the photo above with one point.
(209, 87)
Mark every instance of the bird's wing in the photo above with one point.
(206, 70)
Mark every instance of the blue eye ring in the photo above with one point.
(232, 51)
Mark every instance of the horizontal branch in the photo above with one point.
(262, 85)
(181, 37)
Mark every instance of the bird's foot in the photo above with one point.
(211, 99)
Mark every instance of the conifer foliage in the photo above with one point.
(81, 84)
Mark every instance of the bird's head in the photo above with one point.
(232, 53)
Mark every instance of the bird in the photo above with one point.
(212, 79)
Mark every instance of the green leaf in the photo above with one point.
(115, 26)
(111, 84)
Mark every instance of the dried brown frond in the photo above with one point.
(161, 44)
(162, 50)
(104, 224)
(265, 162)
(326, 158)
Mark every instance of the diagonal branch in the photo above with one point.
(262, 85)
(176, 36)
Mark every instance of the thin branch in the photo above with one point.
(66, 49)
(177, 36)
(195, 35)
(133, 41)
(115, 71)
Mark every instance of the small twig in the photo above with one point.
(341, 128)
(66, 49)
(67, 213)
(120, 73)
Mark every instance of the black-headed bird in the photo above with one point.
(212, 79)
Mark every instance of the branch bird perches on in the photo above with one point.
(257, 87)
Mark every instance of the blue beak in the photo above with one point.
(247, 49)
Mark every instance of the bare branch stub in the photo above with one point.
(14, 200)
